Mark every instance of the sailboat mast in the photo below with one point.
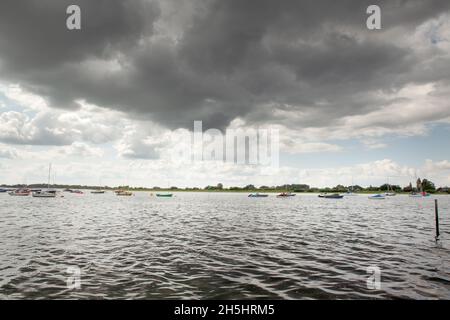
(49, 171)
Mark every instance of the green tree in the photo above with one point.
(340, 188)
(428, 186)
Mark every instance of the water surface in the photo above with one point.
(222, 246)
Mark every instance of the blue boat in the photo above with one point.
(377, 197)
(258, 195)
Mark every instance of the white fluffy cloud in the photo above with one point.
(37, 124)
(7, 152)
(22, 97)
(80, 149)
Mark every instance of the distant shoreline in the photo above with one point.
(224, 190)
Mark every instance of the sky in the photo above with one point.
(109, 104)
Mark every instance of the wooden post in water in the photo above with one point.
(436, 216)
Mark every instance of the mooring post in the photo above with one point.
(436, 216)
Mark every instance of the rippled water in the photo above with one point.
(222, 246)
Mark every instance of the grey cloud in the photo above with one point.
(34, 36)
(232, 58)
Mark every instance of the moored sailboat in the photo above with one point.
(349, 192)
(46, 193)
(390, 191)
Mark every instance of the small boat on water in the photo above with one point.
(390, 191)
(349, 192)
(415, 195)
(331, 196)
(419, 195)
(377, 197)
(4, 190)
(420, 191)
(124, 193)
(258, 195)
(20, 192)
(98, 191)
(45, 194)
(73, 191)
(164, 195)
(286, 195)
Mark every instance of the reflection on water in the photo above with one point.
(222, 246)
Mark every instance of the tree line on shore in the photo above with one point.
(421, 185)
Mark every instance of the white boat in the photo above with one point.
(349, 192)
(390, 191)
(46, 193)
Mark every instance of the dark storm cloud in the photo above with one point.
(233, 59)
(34, 36)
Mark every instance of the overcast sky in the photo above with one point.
(104, 103)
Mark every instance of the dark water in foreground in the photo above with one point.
(222, 246)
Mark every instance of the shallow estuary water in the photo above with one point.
(222, 246)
